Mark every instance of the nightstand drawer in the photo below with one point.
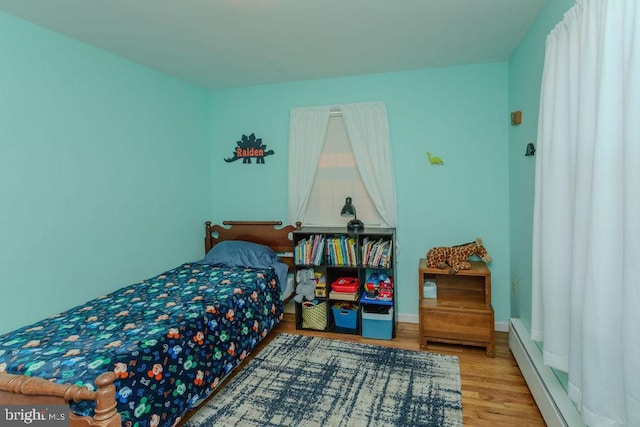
(467, 326)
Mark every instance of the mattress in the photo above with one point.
(170, 339)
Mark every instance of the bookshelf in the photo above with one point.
(336, 253)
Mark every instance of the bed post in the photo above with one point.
(105, 412)
(26, 390)
(208, 244)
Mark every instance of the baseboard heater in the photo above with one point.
(553, 402)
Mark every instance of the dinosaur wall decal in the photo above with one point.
(248, 147)
(434, 160)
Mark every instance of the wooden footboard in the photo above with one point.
(32, 391)
(23, 390)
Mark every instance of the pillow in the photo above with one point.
(234, 253)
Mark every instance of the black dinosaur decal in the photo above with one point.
(248, 147)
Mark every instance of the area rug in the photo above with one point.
(308, 381)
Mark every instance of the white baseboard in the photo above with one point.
(553, 402)
(407, 318)
(501, 326)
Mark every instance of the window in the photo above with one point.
(332, 170)
(336, 179)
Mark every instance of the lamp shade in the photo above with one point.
(348, 210)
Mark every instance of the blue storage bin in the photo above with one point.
(377, 326)
(346, 318)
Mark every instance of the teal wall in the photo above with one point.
(104, 175)
(457, 113)
(107, 163)
(525, 74)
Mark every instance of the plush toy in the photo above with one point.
(306, 286)
(455, 257)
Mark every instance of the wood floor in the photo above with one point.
(494, 392)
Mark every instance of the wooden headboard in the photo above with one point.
(268, 233)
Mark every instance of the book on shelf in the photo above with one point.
(342, 251)
(344, 296)
(351, 251)
(317, 259)
(331, 250)
(377, 253)
(309, 251)
(338, 245)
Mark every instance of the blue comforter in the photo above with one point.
(170, 339)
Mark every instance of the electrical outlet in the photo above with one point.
(514, 285)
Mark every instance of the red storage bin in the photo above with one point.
(345, 284)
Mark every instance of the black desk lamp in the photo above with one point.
(348, 210)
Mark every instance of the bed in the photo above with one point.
(148, 353)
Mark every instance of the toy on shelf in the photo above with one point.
(455, 257)
(306, 285)
(321, 285)
(379, 286)
(345, 288)
(385, 293)
(345, 284)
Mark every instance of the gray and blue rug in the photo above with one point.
(308, 381)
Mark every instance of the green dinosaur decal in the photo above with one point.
(248, 147)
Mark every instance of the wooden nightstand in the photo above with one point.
(462, 312)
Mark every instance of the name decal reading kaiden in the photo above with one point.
(248, 147)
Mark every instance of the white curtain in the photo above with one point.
(307, 130)
(586, 231)
(368, 130)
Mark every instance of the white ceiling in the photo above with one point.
(228, 43)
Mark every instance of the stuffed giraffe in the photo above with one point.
(455, 257)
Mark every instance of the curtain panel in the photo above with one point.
(586, 231)
(307, 130)
(368, 129)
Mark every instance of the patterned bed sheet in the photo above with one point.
(170, 339)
